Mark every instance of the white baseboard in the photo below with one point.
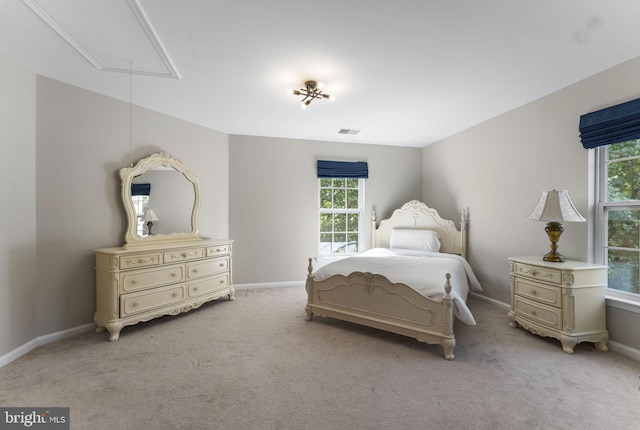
(43, 340)
(495, 302)
(268, 284)
(624, 350)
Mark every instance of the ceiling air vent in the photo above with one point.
(348, 131)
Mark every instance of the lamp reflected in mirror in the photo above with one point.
(149, 217)
(555, 207)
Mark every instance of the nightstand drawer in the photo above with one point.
(540, 273)
(542, 314)
(542, 293)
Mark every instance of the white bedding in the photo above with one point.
(423, 271)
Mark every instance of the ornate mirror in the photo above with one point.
(161, 198)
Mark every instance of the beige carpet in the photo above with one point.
(255, 363)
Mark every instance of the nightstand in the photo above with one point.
(565, 301)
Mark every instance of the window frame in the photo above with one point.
(361, 215)
(603, 206)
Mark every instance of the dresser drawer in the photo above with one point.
(147, 278)
(537, 312)
(200, 269)
(140, 260)
(218, 249)
(178, 255)
(542, 293)
(209, 285)
(540, 273)
(135, 303)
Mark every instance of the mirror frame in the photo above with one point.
(160, 159)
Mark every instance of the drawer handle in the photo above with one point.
(534, 272)
(133, 282)
(173, 274)
(533, 292)
(221, 264)
(194, 270)
(184, 255)
(195, 288)
(222, 281)
(218, 250)
(134, 304)
(533, 313)
(174, 295)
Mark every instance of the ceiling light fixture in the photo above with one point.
(310, 92)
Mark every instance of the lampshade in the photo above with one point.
(150, 215)
(555, 206)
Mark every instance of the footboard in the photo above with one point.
(372, 300)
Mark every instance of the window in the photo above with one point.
(341, 206)
(140, 197)
(615, 133)
(341, 215)
(618, 225)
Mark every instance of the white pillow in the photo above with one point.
(416, 240)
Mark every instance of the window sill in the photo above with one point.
(624, 301)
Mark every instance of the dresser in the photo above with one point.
(565, 301)
(144, 282)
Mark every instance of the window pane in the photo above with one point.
(338, 182)
(325, 182)
(339, 199)
(624, 228)
(353, 222)
(325, 198)
(624, 149)
(340, 222)
(623, 180)
(352, 242)
(352, 199)
(340, 243)
(353, 183)
(623, 270)
(326, 223)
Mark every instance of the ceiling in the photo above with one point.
(403, 72)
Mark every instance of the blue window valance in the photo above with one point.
(140, 189)
(619, 123)
(343, 169)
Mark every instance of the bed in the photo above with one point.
(414, 280)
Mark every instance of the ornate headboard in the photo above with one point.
(417, 215)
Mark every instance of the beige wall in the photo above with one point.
(18, 202)
(274, 192)
(499, 168)
(82, 143)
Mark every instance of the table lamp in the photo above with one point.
(555, 207)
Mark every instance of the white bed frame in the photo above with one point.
(370, 299)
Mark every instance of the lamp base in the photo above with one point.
(554, 257)
(554, 230)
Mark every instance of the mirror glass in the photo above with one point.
(161, 198)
